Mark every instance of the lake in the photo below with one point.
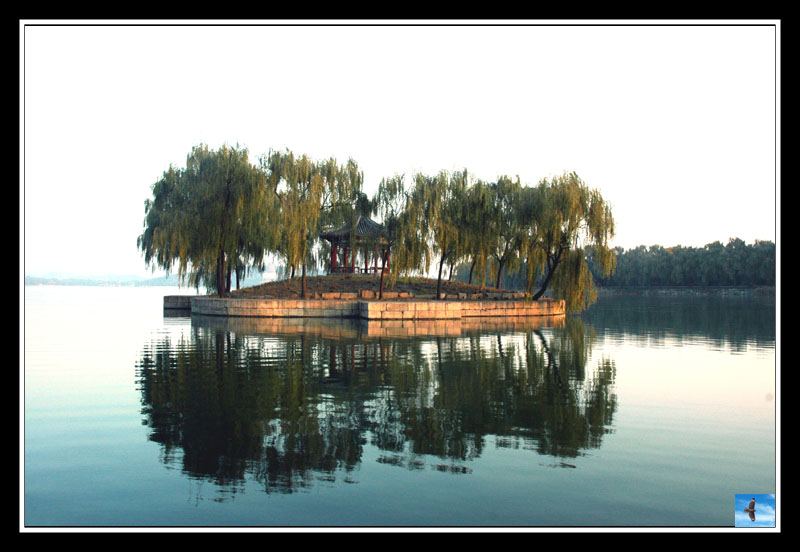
(641, 412)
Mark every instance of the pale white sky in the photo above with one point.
(675, 124)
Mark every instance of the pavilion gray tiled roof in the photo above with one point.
(365, 228)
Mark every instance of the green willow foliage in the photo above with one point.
(565, 217)
(734, 264)
(221, 213)
(508, 223)
(406, 241)
(209, 218)
(507, 226)
(478, 223)
(311, 196)
(435, 210)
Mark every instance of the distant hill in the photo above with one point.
(171, 280)
(119, 281)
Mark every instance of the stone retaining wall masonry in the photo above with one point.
(373, 310)
(178, 302)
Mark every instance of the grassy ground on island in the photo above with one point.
(352, 283)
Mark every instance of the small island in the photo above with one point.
(356, 296)
(221, 217)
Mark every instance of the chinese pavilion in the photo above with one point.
(367, 237)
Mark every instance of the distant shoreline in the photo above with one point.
(99, 281)
(720, 291)
(173, 281)
(40, 281)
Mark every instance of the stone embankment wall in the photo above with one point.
(357, 329)
(178, 302)
(366, 309)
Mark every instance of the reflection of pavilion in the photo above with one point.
(367, 234)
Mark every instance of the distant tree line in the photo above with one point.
(715, 264)
(734, 264)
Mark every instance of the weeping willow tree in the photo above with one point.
(562, 217)
(299, 187)
(403, 237)
(342, 202)
(506, 227)
(477, 224)
(209, 218)
(311, 195)
(434, 215)
(389, 204)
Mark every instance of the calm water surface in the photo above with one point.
(641, 412)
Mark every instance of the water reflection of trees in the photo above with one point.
(289, 411)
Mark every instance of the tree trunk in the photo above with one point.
(383, 270)
(527, 275)
(228, 272)
(500, 273)
(221, 254)
(220, 274)
(439, 279)
(450, 277)
(551, 268)
(303, 293)
(471, 268)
